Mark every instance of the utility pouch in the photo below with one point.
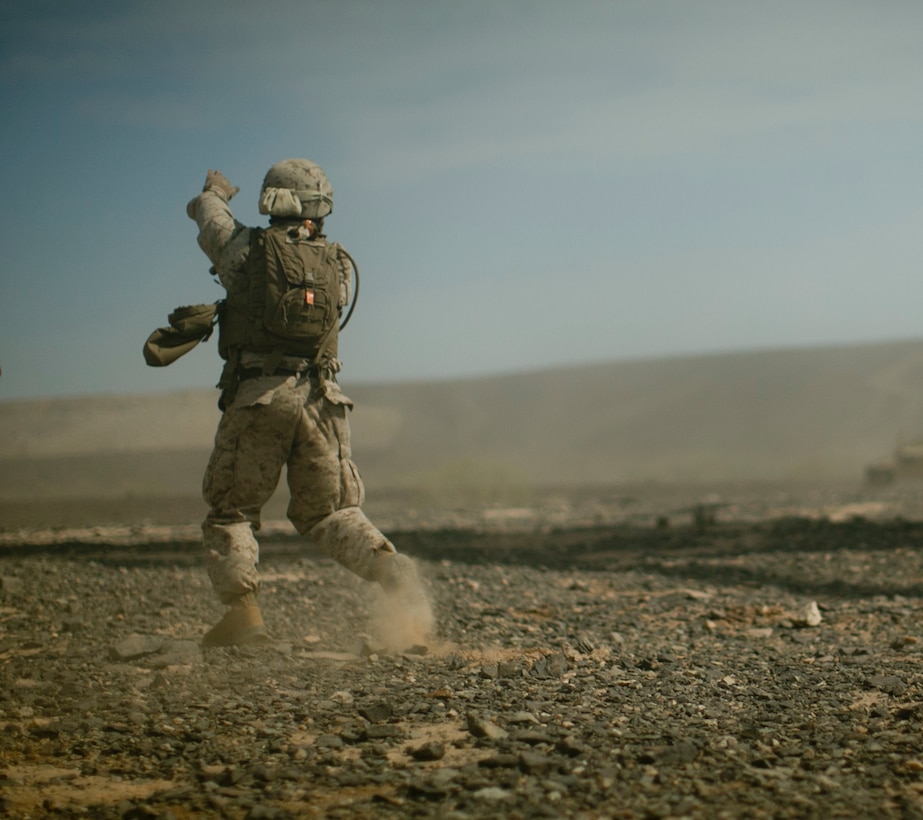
(188, 326)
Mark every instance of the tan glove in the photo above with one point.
(218, 182)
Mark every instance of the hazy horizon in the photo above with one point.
(497, 375)
(763, 415)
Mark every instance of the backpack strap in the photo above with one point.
(228, 381)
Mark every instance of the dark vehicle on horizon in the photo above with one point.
(906, 462)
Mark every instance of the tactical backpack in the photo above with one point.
(287, 301)
(287, 298)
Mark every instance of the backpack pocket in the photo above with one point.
(301, 312)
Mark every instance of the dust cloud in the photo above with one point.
(399, 624)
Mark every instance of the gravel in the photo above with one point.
(607, 665)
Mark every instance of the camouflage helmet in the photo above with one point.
(296, 187)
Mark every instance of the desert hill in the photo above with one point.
(811, 414)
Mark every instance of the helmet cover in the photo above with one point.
(296, 188)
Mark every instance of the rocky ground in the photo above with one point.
(747, 654)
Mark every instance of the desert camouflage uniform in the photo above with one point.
(292, 419)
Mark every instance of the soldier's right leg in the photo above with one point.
(251, 445)
(326, 494)
(348, 537)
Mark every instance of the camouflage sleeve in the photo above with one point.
(225, 241)
(344, 261)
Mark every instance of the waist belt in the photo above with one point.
(256, 372)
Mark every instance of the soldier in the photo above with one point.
(287, 288)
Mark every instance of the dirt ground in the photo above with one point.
(626, 652)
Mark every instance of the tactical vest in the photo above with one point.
(286, 302)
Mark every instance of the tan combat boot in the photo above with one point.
(242, 625)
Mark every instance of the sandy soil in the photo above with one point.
(739, 652)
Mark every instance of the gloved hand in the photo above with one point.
(218, 182)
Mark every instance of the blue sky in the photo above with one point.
(524, 183)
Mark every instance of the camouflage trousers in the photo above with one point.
(277, 421)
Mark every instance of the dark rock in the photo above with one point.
(571, 746)
(377, 712)
(379, 731)
(891, 684)
(509, 669)
(72, 625)
(481, 727)
(549, 666)
(426, 790)
(428, 751)
(532, 763)
(490, 671)
(533, 737)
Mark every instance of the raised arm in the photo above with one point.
(224, 240)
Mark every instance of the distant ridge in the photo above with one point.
(818, 413)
